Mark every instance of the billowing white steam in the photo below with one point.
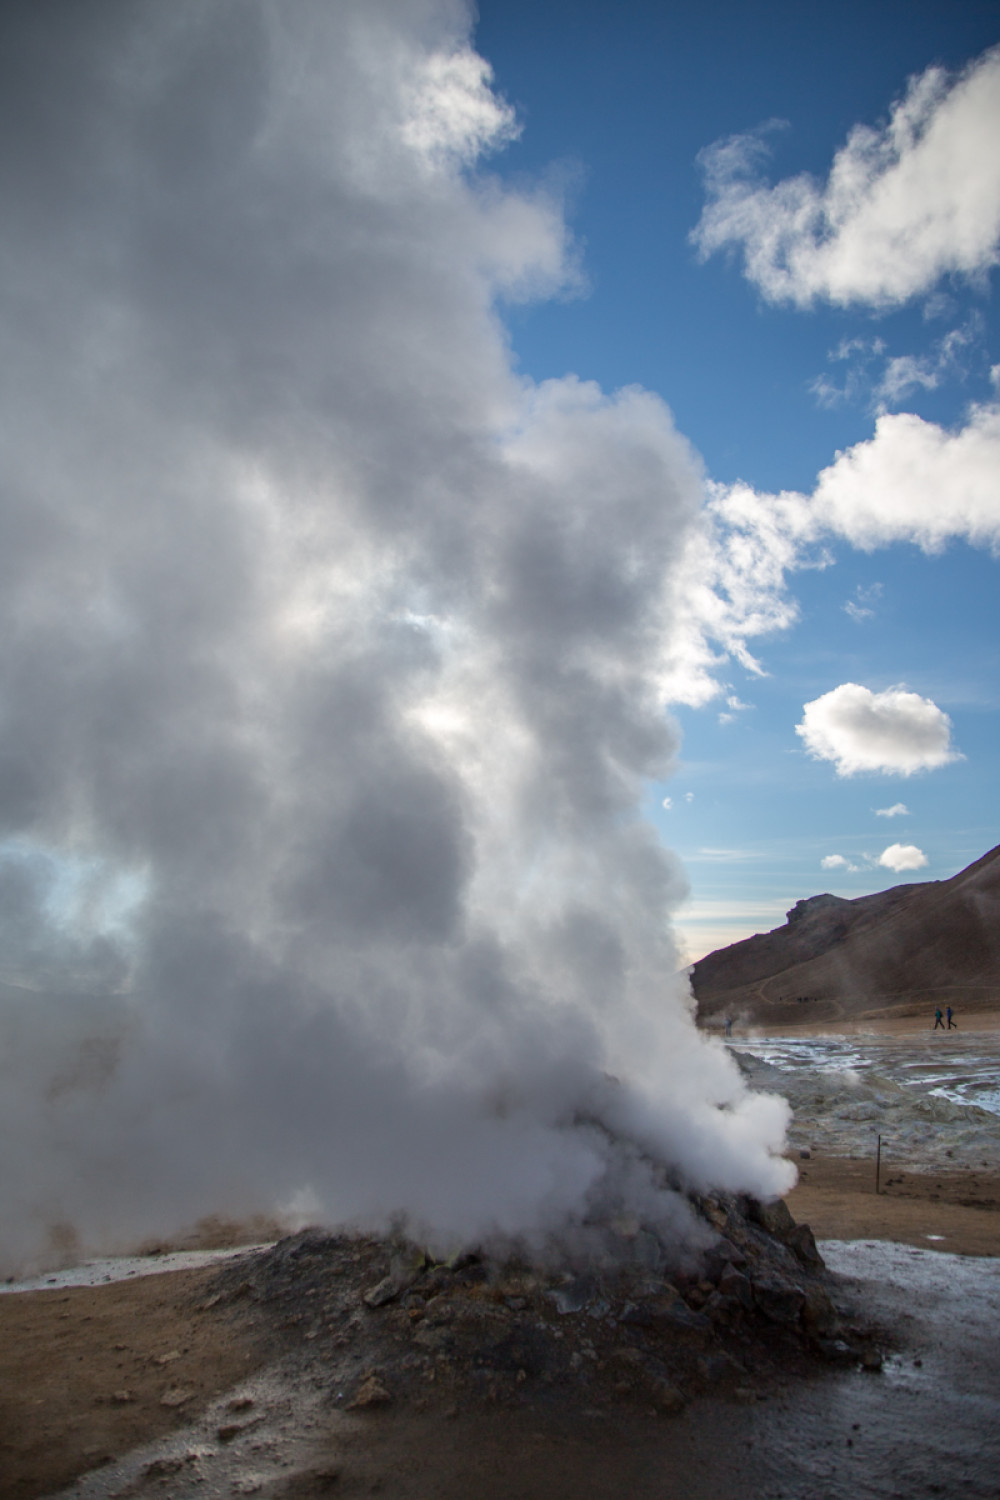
(334, 657)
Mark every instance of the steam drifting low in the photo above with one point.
(335, 658)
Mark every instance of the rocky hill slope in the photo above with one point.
(901, 951)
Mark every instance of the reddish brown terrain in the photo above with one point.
(896, 953)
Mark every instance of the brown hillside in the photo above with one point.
(903, 950)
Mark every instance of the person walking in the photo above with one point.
(952, 1025)
(938, 1020)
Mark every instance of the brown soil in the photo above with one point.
(83, 1372)
(961, 1209)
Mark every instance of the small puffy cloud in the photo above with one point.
(897, 810)
(904, 204)
(902, 857)
(668, 803)
(896, 731)
(860, 607)
(837, 862)
(915, 481)
(734, 706)
(689, 796)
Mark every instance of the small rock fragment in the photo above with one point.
(371, 1392)
(385, 1291)
(161, 1468)
(230, 1430)
(325, 1479)
(175, 1395)
(666, 1398)
(837, 1351)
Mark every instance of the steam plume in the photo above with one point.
(334, 658)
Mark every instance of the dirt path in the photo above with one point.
(956, 1211)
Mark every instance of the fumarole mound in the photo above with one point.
(382, 1323)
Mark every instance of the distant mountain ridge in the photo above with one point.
(903, 951)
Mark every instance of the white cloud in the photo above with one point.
(689, 796)
(912, 481)
(900, 857)
(883, 381)
(668, 803)
(836, 862)
(906, 373)
(915, 481)
(734, 706)
(897, 810)
(896, 731)
(860, 607)
(904, 204)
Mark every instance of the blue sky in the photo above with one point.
(616, 104)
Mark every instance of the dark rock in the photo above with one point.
(573, 1295)
(723, 1310)
(404, 1270)
(733, 1283)
(385, 1291)
(775, 1217)
(717, 1367)
(837, 1351)
(724, 1253)
(666, 1398)
(779, 1301)
(819, 1315)
(666, 1316)
(371, 1392)
(230, 1430)
(326, 1478)
(802, 1242)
